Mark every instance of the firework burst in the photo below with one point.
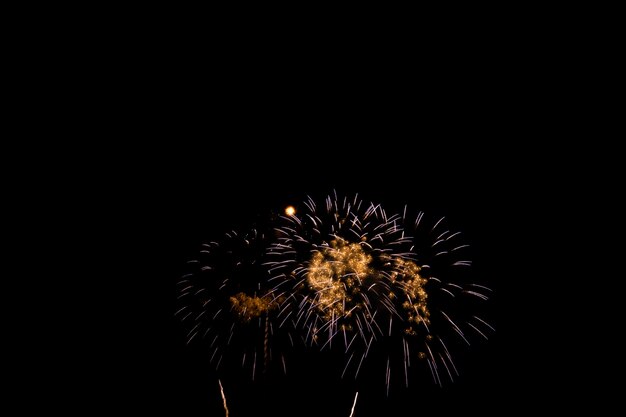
(225, 302)
(343, 275)
(359, 276)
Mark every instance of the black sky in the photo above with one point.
(174, 207)
(202, 168)
(172, 142)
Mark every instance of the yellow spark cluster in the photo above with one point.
(408, 273)
(248, 307)
(335, 273)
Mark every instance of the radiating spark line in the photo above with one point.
(480, 286)
(446, 366)
(437, 224)
(406, 365)
(356, 374)
(368, 345)
(484, 322)
(206, 332)
(254, 365)
(479, 332)
(388, 376)
(350, 344)
(445, 348)
(358, 322)
(455, 327)
(437, 242)
(213, 355)
(347, 363)
(477, 294)
(434, 365)
(193, 329)
(447, 291)
(266, 344)
(286, 317)
(194, 335)
(186, 288)
(418, 219)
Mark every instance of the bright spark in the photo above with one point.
(354, 404)
(223, 397)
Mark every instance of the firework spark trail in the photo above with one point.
(354, 404)
(266, 338)
(223, 397)
(388, 377)
(406, 362)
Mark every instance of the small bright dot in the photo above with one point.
(290, 210)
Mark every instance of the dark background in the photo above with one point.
(142, 145)
(182, 157)
(170, 208)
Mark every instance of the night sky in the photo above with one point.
(177, 207)
(183, 142)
